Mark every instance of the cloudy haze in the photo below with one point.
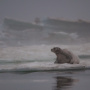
(27, 10)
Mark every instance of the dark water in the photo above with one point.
(77, 80)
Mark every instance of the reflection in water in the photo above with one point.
(64, 82)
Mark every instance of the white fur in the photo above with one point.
(75, 59)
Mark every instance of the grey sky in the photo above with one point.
(27, 10)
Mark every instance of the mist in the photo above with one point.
(28, 10)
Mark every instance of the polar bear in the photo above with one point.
(65, 56)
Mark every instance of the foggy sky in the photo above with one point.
(27, 10)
